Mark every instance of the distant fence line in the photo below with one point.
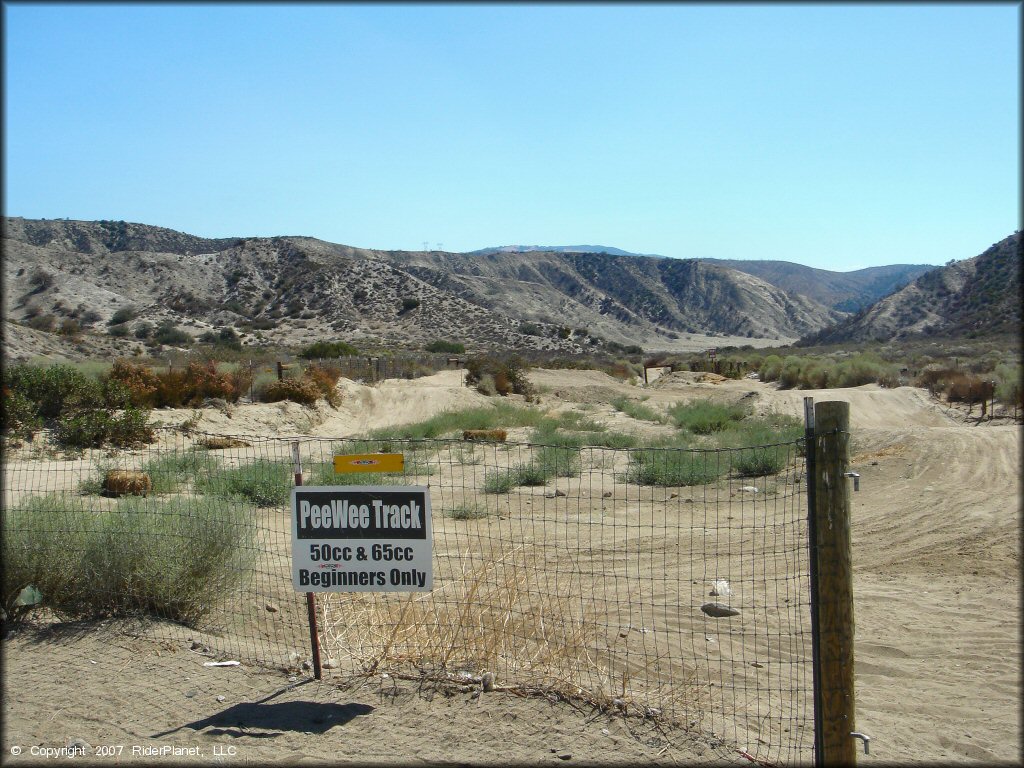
(596, 573)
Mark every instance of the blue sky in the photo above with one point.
(834, 136)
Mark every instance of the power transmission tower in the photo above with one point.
(426, 245)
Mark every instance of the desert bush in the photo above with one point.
(142, 384)
(500, 481)
(758, 462)
(264, 483)
(673, 468)
(409, 303)
(93, 428)
(703, 417)
(325, 378)
(557, 461)
(171, 471)
(637, 410)
(467, 512)
(327, 349)
(508, 373)
(770, 368)
(303, 391)
(447, 347)
(20, 417)
(45, 323)
(167, 333)
(1008, 383)
(123, 315)
(171, 559)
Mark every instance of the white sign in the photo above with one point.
(361, 538)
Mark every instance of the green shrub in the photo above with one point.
(265, 483)
(173, 559)
(170, 472)
(770, 368)
(167, 333)
(409, 303)
(673, 468)
(500, 481)
(555, 461)
(467, 512)
(94, 428)
(703, 417)
(54, 388)
(123, 315)
(758, 462)
(20, 416)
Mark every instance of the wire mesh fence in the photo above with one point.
(663, 583)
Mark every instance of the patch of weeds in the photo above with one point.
(637, 410)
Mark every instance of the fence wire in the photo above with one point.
(595, 574)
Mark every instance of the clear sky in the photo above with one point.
(829, 135)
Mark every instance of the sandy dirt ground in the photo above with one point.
(936, 549)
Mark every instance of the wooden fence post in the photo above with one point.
(834, 612)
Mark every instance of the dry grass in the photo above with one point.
(493, 626)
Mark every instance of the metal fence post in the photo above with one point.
(832, 599)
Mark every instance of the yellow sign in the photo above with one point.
(370, 462)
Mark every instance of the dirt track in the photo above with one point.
(936, 529)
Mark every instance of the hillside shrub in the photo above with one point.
(123, 315)
(167, 333)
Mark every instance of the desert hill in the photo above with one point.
(842, 291)
(975, 297)
(294, 290)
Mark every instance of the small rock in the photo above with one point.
(749, 489)
(719, 610)
(874, 463)
(674, 496)
(607, 494)
(605, 731)
(755, 664)
(307, 664)
(79, 744)
(487, 681)
(220, 698)
(271, 608)
(559, 492)
(330, 664)
(292, 678)
(191, 694)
